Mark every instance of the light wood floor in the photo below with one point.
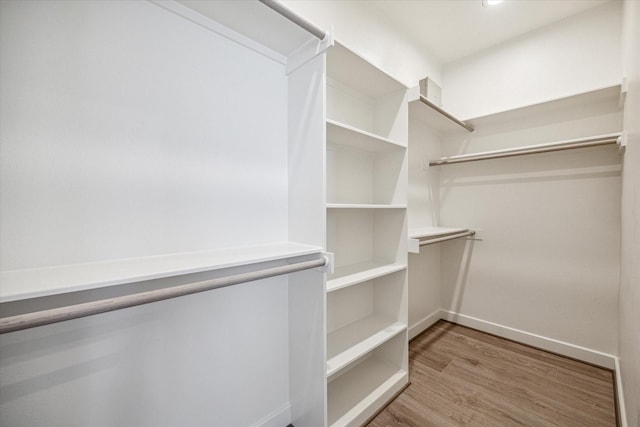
(460, 376)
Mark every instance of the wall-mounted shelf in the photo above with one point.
(39, 282)
(433, 115)
(597, 101)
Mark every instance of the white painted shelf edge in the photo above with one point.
(359, 138)
(351, 342)
(382, 383)
(38, 282)
(365, 271)
(363, 206)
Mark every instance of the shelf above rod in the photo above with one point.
(446, 114)
(593, 141)
(469, 233)
(55, 315)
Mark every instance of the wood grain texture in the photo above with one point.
(460, 376)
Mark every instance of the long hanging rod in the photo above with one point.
(436, 107)
(55, 315)
(449, 237)
(593, 141)
(295, 18)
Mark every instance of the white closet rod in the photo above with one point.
(593, 141)
(295, 18)
(449, 237)
(55, 315)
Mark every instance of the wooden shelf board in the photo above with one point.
(359, 393)
(351, 342)
(38, 282)
(343, 134)
(357, 273)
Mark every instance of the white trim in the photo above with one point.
(556, 346)
(622, 411)
(424, 324)
(211, 25)
(278, 418)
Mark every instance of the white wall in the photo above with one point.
(575, 55)
(424, 209)
(630, 267)
(124, 133)
(361, 30)
(549, 261)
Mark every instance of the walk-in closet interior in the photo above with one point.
(240, 213)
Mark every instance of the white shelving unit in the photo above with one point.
(148, 176)
(366, 230)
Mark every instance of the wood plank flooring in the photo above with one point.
(460, 376)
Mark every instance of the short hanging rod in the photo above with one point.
(470, 233)
(295, 18)
(594, 141)
(55, 315)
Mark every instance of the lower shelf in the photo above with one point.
(359, 393)
(351, 342)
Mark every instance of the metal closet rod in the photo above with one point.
(593, 141)
(55, 315)
(449, 237)
(295, 18)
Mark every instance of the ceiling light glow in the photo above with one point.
(491, 2)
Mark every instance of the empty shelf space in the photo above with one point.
(363, 206)
(357, 273)
(349, 343)
(38, 282)
(343, 134)
(360, 392)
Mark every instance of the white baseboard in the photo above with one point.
(560, 347)
(622, 412)
(423, 324)
(278, 418)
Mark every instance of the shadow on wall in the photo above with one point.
(461, 257)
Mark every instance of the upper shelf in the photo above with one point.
(359, 74)
(343, 134)
(38, 282)
(598, 101)
(433, 115)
